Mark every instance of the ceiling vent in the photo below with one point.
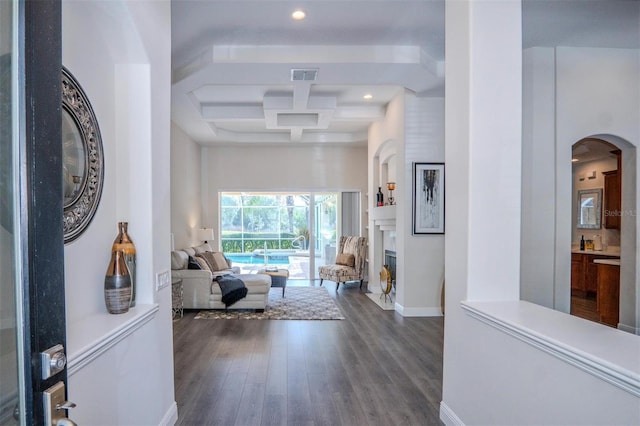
(304, 74)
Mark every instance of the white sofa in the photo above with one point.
(201, 292)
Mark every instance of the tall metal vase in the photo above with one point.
(124, 244)
(117, 285)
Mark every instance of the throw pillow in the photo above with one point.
(215, 260)
(346, 259)
(220, 261)
(193, 264)
(203, 263)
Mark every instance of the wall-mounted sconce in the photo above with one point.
(592, 175)
(391, 186)
(205, 234)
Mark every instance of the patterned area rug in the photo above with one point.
(299, 303)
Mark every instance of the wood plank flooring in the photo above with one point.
(584, 306)
(372, 368)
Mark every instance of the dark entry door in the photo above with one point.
(32, 297)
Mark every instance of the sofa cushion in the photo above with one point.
(215, 260)
(190, 251)
(255, 283)
(204, 265)
(193, 263)
(179, 259)
(345, 259)
(221, 261)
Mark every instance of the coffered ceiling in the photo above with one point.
(233, 61)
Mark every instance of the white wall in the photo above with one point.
(421, 265)
(537, 270)
(414, 127)
(598, 93)
(119, 53)
(186, 201)
(570, 94)
(490, 375)
(279, 168)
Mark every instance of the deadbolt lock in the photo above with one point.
(53, 361)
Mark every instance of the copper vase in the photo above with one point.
(117, 285)
(124, 244)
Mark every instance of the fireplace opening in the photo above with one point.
(390, 261)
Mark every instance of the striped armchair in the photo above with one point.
(349, 265)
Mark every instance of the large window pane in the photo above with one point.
(275, 228)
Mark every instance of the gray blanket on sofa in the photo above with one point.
(232, 288)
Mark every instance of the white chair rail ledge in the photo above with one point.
(607, 353)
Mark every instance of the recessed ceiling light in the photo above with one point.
(368, 96)
(574, 160)
(298, 15)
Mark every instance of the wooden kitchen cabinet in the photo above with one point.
(608, 301)
(584, 273)
(612, 197)
(612, 202)
(591, 274)
(577, 273)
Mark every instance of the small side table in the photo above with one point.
(278, 278)
(177, 305)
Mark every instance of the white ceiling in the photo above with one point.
(232, 61)
(591, 149)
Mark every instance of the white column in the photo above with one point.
(483, 146)
(483, 113)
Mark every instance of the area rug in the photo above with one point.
(299, 303)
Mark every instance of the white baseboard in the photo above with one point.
(448, 417)
(418, 312)
(629, 329)
(171, 416)
(383, 303)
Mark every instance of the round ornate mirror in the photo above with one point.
(82, 159)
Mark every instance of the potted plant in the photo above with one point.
(304, 232)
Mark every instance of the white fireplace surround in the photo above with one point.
(384, 217)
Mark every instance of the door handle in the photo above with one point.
(55, 406)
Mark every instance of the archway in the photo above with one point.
(382, 233)
(606, 165)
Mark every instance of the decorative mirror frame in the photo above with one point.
(595, 195)
(79, 213)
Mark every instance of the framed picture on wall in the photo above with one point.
(428, 198)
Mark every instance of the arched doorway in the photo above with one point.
(603, 238)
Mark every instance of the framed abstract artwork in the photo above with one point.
(428, 198)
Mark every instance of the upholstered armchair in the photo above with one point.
(349, 265)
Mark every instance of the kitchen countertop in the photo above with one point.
(612, 251)
(612, 262)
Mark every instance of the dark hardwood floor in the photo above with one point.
(372, 368)
(584, 306)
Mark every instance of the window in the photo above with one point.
(295, 230)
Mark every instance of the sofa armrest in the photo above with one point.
(196, 287)
(191, 274)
